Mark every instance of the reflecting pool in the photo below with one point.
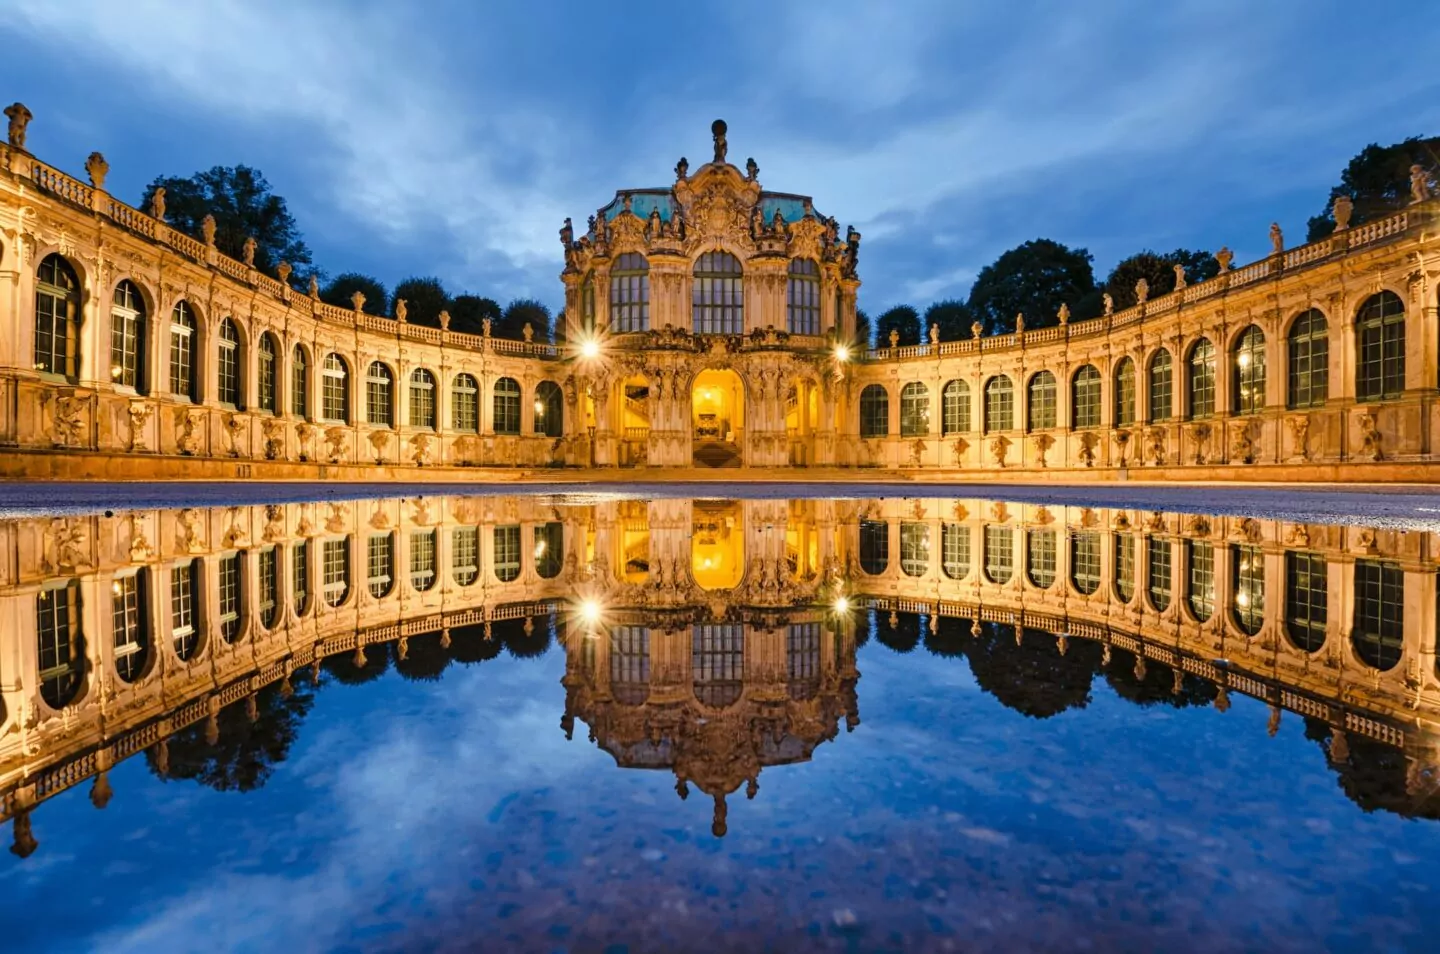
(575, 723)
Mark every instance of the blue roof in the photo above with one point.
(791, 207)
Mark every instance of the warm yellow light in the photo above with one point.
(1244, 360)
(539, 549)
(842, 604)
(116, 370)
(539, 408)
(590, 348)
(590, 611)
(842, 353)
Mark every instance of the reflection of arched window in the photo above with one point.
(1041, 413)
(465, 404)
(630, 664)
(630, 293)
(269, 560)
(506, 405)
(874, 546)
(955, 408)
(185, 609)
(999, 554)
(1248, 581)
(1380, 368)
(183, 376)
(914, 548)
(299, 384)
(1249, 372)
(506, 546)
(802, 660)
(874, 411)
(269, 393)
(955, 550)
(300, 583)
(1085, 398)
(465, 555)
(422, 399)
(549, 409)
(914, 410)
(1162, 383)
(549, 549)
(1157, 575)
(230, 600)
(61, 654)
(1125, 566)
(1379, 613)
(1307, 599)
(379, 395)
(227, 364)
(1085, 561)
(422, 560)
(802, 297)
(1202, 379)
(335, 391)
(999, 404)
(717, 663)
(57, 318)
(1200, 590)
(127, 337)
(335, 556)
(1125, 393)
(1040, 557)
(718, 296)
(380, 564)
(130, 624)
(1309, 347)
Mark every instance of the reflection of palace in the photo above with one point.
(715, 637)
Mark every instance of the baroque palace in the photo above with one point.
(708, 323)
(711, 639)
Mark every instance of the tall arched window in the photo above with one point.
(1200, 591)
(1041, 411)
(1309, 347)
(1040, 558)
(1202, 379)
(269, 586)
(802, 297)
(1085, 398)
(1158, 555)
(380, 564)
(999, 404)
(549, 409)
(630, 664)
(955, 550)
(955, 407)
(230, 597)
(422, 399)
(587, 303)
(1125, 393)
(1085, 561)
(127, 337)
(999, 554)
(549, 552)
(1307, 600)
(914, 548)
(465, 555)
(422, 560)
(1380, 327)
(1162, 387)
(57, 319)
(717, 663)
(718, 296)
(130, 624)
(874, 546)
(60, 645)
(506, 405)
(1379, 631)
(505, 546)
(335, 570)
(914, 410)
(299, 384)
(184, 376)
(1125, 566)
(300, 582)
(379, 395)
(630, 293)
(1248, 375)
(266, 373)
(335, 390)
(227, 364)
(1247, 579)
(465, 404)
(185, 622)
(874, 411)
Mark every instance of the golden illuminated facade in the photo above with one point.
(708, 324)
(710, 639)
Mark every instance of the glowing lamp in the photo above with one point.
(590, 611)
(590, 348)
(842, 604)
(842, 353)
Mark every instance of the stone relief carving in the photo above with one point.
(999, 448)
(421, 449)
(1200, 442)
(1122, 446)
(140, 548)
(272, 430)
(379, 441)
(1042, 444)
(1156, 446)
(139, 414)
(959, 448)
(67, 421)
(1089, 444)
(189, 426)
(335, 440)
(234, 427)
(188, 524)
(1370, 437)
(1243, 435)
(64, 545)
(1299, 425)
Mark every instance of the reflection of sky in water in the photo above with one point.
(455, 814)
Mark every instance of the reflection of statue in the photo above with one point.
(19, 118)
(717, 131)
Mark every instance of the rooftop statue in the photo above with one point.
(682, 169)
(157, 204)
(717, 130)
(19, 118)
(1419, 183)
(1277, 238)
(752, 170)
(567, 233)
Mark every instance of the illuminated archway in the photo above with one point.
(717, 544)
(717, 418)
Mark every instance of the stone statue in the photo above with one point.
(1223, 258)
(157, 204)
(852, 248)
(1419, 183)
(1063, 314)
(485, 327)
(1142, 291)
(934, 334)
(717, 132)
(528, 332)
(444, 321)
(283, 270)
(247, 251)
(656, 225)
(19, 118)
(358, 300)
(1020, 323)
(1277, 238)
(314, 290)
(207, 230)
(625, 202)
(98, 169)
(757, 222)
(1343, 208)
(894, 338)
(777, 223)
(752, 170)
(832, 230)
(567, 234)
(682, 169)
(401, 310)
(591, 223)
(975, 329)
(1179, 276)
(1109, 303)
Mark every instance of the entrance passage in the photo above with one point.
(718, 418)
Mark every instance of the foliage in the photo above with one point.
(952, 315)
(1033, 279)
(518, 314)
(903, 319)
(468, 313)
(1377, 180)
(1158, 272)
(424, 299)
(339, 291)
(863, 328)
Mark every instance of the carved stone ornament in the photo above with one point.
(1342, 210)
(1224, 258)
(1157, 444)
(335, 440)
(19, 118)
(1370, 437)
(140, 549)
(139, 414)
(999, 448)
(64, 545)
(1299, 425)
(274, 524)
(273, 431)
(98, 169)
(67, 417)
(189, 425)
(1200, 442)
(207, 230)
(188, 525)
(958, 449)
(379, 441)
(1089, 445)
(157, 204)
(235, 426)
(1042, 444)
(1243, 435)
(247, 251)
(1277, 238)
(1419, 184)
(1122, 446)
(422, 449)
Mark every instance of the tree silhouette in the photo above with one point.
(1377, 181)
(342, 289)
(424, 299)
(903, 319)
(1033, 279)
(1158, 271)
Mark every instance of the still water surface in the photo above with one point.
(939, 724)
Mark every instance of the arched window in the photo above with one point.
(630, 293)
(299, 384)
(955, 408)
(230, 599)
(465, 404)
(1379, 613)
(1307, 600)
(999, 404)
(130, 624)
(183, 352)
(717, 663)
(335, 560)
(57, 319)
(185, 623)
(1202, 380)
(549, 550)
(630, 664)
(505, 541)
(1247, 578)
(1249, 372)
(802, 297)
(227, 364)
(1040, 557)
(335, 390)
(874, 546)
(1309, 347)
(465, 555)
(914, 548)
(802, 660)
(1157, 576)
(1125, 566)
(379, 395)
(587, 303)
(914, 410)
(1041, 412)
(422, 560)
(422, 399)
(1085, 561)
(1125, 393)
(718, 297)
(1085, 398)
(999, 554)
(1162, 393)
(874, 411)
(507, 406)
(380, 564)
(61, 655)
(300, 576)
(269, 393)
(1200, 590)
(269, 561)
(549, 409)
(1380, 326)
(127, 337)
(955, 550)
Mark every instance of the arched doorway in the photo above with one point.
(634, 421)
(717, 544)
(717, 418)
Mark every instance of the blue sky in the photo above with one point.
(451, 138)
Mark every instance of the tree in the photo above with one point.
(424, 299)
(1377, 181)
(1033, 279)
(340, 291)
(1158, 272)
(518, 314)
(244, 207)
(953, 317)
(903, 319)
(862, 328)
(468, 313)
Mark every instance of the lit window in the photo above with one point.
(914, 410)
(630, 293)
(802, 297)
(1249, 372)
(549, 409)
(1248, 579)
(549, 549)
(718, 295)
(874, 411)
(1042, 411)
(57, 319)
(507, 406)
(127, 337)
(999, 404)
